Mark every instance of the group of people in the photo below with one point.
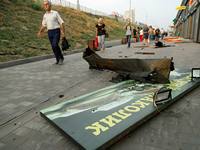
(145, 34)
(53, 22)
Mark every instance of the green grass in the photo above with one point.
(35, 6)
(20, 22)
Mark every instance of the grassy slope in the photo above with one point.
(20, 23)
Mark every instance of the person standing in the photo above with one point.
(138, 33)
(157, 33)
(154, 34)
(100, 34)
(134, 34)
(146, 34)
(141, 35)
(52, 21)
(151, 33)
(162, 33)
(129, 31)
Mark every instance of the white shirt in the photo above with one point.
(162, 31)
(141, 32)
(128, 30)
(52, 20)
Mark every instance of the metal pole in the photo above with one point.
(78, 4)
(130, 11)
(146, 18)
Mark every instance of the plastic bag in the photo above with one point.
(65, 44)
(96, 42)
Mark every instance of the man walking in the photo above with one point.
(162, 33)
(129, 31)
(52, 21)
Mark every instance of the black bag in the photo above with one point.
(106, 35)
(65, 44)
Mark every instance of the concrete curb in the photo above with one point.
(39, 58)
(34, 59)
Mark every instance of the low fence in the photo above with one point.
(65, 3)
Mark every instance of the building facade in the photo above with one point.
(130, 15)
(117, 16)
(187, 24)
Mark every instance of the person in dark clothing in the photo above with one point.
(157, 34)
(138, 34)
(100, 33)
(153, 34)
(134, 34)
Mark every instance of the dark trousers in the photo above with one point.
(162, 35)
(128, 40)
(54, 38)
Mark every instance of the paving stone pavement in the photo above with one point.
(26, 89)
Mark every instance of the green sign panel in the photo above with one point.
(98, 119)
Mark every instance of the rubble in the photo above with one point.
(144, 70)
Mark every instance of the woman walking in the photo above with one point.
(141, 35)
(138, 34)
(129, 31)
(100, 34)
(151, 33)
(146, 34)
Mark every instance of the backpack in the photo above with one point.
(130, 28)
(65, 44)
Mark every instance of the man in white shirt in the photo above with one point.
(52, 21)
(162, 33)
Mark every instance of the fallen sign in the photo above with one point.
(99, 119)
(144, 70)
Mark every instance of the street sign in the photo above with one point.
(175, 20)
(98, 119)
(180, 8)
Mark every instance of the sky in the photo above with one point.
(159, 12)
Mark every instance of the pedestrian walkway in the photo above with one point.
(26, 89)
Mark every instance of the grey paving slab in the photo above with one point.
(10, 147)
(25, 89)
(129, 146)
(33, 145)
(153, 148)
(14, 140)
(2, 145)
